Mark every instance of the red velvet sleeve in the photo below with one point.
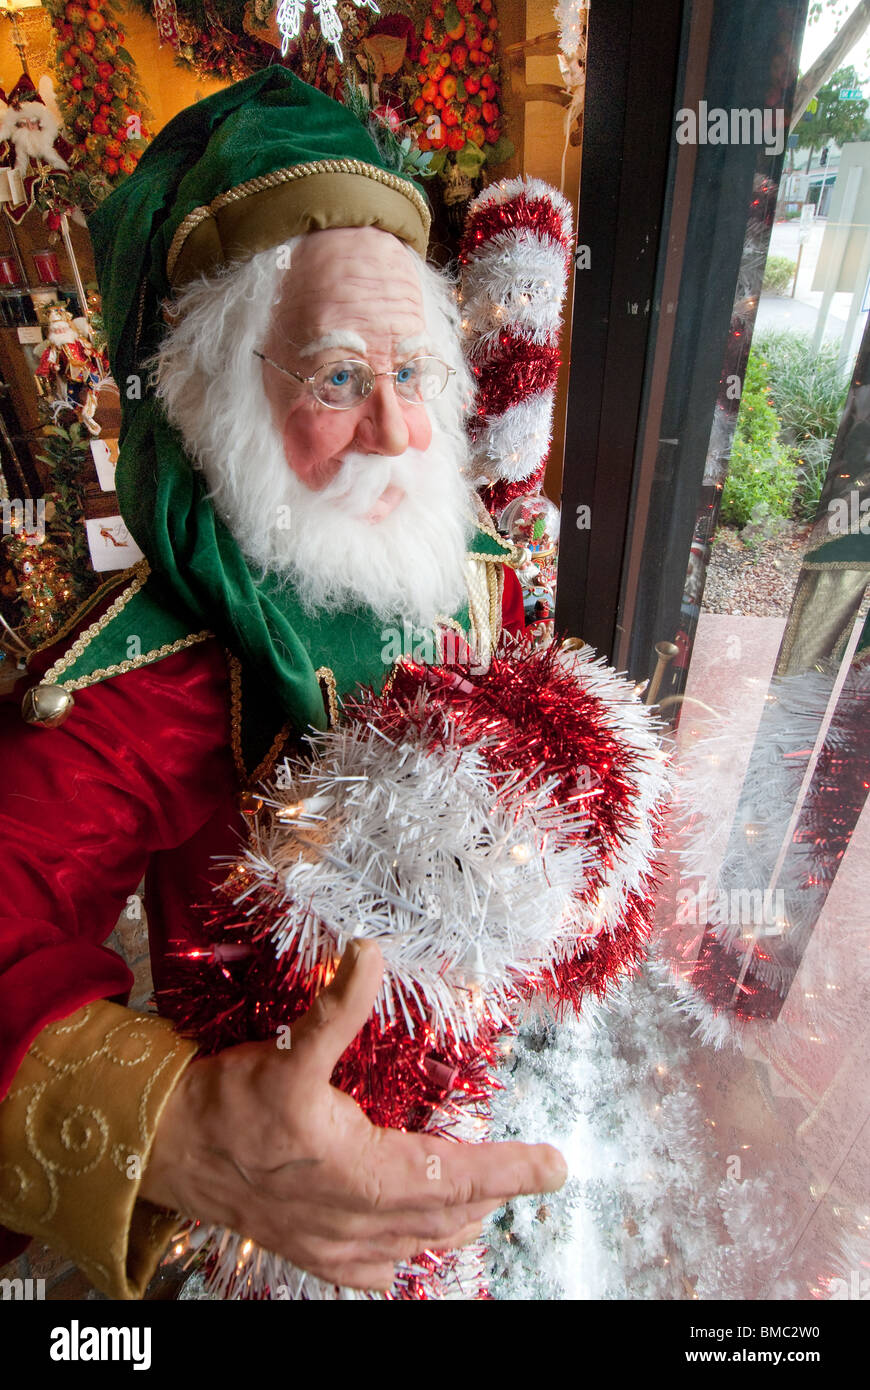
(139, 765)
(512, 613)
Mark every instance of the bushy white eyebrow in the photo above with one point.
(338, 338)
(413, 343)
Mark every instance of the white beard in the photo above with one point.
(409, 566)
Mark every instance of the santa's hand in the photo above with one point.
(258, 1140)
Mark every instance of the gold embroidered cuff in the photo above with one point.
(75, 1133)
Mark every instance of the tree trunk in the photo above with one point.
(832, 58)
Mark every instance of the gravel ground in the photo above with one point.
(754, 580)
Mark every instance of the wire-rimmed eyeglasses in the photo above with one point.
(342, 385)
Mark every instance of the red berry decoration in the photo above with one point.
(458, 62)
(75, 13)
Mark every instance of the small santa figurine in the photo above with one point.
(70, 368)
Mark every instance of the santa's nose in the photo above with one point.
(382, 427)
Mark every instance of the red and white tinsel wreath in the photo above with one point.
(514, 262)
(496, 834)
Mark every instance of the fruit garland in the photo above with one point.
(98, 88)
(458, 76)
(224, 38)
(209, 36)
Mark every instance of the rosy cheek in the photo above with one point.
(313, 443)
(419, 428)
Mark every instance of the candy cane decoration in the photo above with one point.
(514, 258)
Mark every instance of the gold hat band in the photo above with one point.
(270, 209)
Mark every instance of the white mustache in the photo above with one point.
(363, 478)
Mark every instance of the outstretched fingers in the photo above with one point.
(417, 1172)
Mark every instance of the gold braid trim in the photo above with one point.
(141, 572)
(495, 583)
(249, 780)
(326, 676)
(280, 176)
(91, 602)
(134, 662)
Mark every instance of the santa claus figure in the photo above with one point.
(33, 129)
(70, 369)
(31, 141)
(294, 467)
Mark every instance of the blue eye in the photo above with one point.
(406, 374)
(340, 378)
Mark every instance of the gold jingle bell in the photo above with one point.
(250, 803)
(46, 705)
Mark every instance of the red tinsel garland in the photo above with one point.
(515, 257)
(527, 714)
(536, 215)
(534, 367)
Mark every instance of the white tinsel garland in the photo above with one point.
(464, 885)
(474, 882)
(513, 280)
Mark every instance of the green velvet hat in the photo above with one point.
(245, 169)
(242, 170)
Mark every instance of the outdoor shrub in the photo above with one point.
(813, 460)
(761, 474)
(778, 275)
(809, 388)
